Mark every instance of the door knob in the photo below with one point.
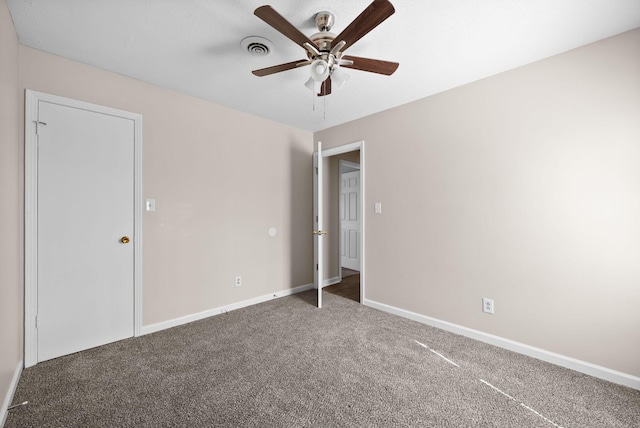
(125, 239)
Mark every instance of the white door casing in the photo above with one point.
(83, 193)
(350, 220)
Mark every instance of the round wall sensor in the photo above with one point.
(272, 232)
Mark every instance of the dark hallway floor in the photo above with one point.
(349, 287)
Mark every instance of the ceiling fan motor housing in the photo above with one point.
(323, 40)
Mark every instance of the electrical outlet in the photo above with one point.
(487, 305)
(238, 281)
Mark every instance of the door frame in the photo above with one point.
(32, 98)
(346, 148)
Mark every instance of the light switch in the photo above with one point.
(378, 207)
(151, 205)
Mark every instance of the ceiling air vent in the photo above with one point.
(257, 46)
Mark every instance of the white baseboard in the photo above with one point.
(10, 393)
(152, 328)
(331, 281)
(521, 348)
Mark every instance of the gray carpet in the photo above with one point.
(285, 363)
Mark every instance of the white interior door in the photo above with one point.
(318, 231)
(85, 208)
(350, 220)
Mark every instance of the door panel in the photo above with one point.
(318, 223)
(85, 205)
(350, 220)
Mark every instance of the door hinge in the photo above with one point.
(38, 123)
(316, 266)
(37, 322)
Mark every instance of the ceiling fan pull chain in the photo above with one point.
(313, 100)
(324, 108)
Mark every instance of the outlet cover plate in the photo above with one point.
(487, 305)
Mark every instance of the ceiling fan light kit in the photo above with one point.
(325, 50)
(320, 70)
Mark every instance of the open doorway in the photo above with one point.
(343, 214)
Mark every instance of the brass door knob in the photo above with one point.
(125, 239)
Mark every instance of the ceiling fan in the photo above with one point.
(325, 50)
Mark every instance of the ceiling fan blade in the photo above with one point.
(325, 89)
(369, 19)
(278, 68)
(371, 65)
(277, 21)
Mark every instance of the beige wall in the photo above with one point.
(10, 206)
(524, 188)
(220, 179)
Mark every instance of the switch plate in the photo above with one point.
(150, 205)
(378, 208)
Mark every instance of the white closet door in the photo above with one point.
(85, 229)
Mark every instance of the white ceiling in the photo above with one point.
(194, 46)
